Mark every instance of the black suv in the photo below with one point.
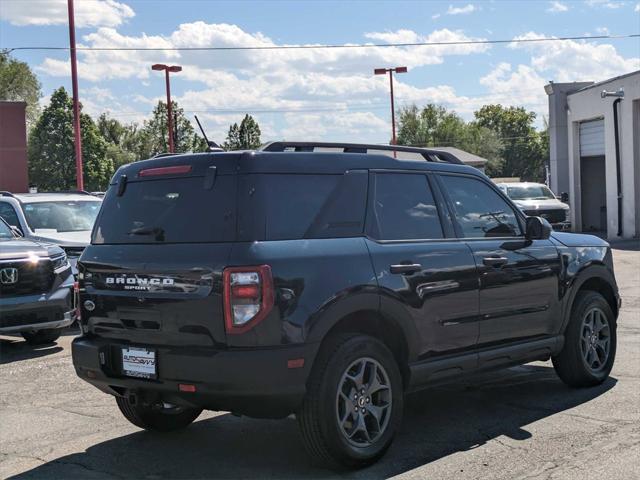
(36, 288)
(327, 284)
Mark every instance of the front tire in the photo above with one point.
(590, 342)
(160, 417)
(42, 337)
(353, 406)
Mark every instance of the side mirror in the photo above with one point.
(16, 231)
(537, 228)
(564, 197)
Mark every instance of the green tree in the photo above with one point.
(123, 140)
(523, 147)
(52, 154)
(19, 83)
(243, 137)
(430, 127)
(485, 143)
(434, 126)
(154, 139)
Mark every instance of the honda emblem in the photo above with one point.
(9, 276)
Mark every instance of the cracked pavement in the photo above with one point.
(518, 423)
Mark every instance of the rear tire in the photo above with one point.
(590, 342)
(42, 337)
(156, 417)
(353, 406)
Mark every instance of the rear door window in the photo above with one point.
(168, 211)
(404, 208)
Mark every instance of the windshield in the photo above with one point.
(5, 232)
(530, 192)
(62, 216)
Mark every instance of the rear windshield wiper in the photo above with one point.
(156, 231)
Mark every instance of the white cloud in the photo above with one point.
(637, 7)
(88, 13)
(469, 8)
(102, 65)
(611, 4)
(602, 31)
(317, 93)
(572, 60)
(557, 7)
(327, 84)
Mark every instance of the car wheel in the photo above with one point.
(590, 342)
(161, 417)
(353, 406)
(42, 337)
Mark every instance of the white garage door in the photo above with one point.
(592, 138)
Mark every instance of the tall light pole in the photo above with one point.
(167, 69)
(76, 103)
(383, 71)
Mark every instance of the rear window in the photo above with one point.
(168, 211)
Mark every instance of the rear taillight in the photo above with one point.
(248, 297)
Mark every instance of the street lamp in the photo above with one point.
(76, 102)
(167, 69)
(383, 71)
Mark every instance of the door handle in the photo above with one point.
(495, 261)
(405, 268)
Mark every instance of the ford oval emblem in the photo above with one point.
(89, 305)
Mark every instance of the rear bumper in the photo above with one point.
(253, 382)
(29, 313)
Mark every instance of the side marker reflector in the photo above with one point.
(295, 363)
(185, 387)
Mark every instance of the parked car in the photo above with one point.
(537, 200)
(327, 285)
(65, 219)
(36, 288)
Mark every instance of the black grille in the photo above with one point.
(32, 278)
(552, 216)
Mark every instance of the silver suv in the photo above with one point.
(537, 200)
(65, 219)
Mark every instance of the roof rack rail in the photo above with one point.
(165, 154)
(4, 193)
(430, 155)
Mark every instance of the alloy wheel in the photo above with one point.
(364, 402)
(595, 340)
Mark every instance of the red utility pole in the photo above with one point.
(383, 71)
(167, 69)
(76, 103)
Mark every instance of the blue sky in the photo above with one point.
(320, 94)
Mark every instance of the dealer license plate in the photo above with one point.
(139, 362)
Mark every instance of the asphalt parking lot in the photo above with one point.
(519, 423)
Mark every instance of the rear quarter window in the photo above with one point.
(297, 206)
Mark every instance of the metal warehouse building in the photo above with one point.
(594, 133)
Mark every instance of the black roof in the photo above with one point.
(265, 161)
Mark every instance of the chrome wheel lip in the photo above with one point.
(595, 339)
(363, 402)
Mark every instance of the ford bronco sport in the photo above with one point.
(327, 280)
